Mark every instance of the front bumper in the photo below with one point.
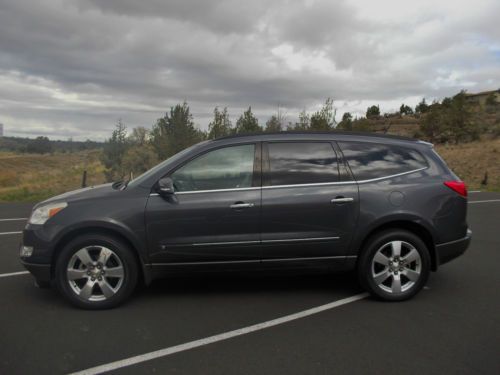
(41, 272)
(39, 263)
(450, 250)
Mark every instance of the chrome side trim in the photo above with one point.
(251, 261)
(392, 176)
(301, 185)
(220, 243)
(254, 242)
(209, 191)
(216, 190)
(467, 237)
(204, 263)
(298, 259)
(301, 239)
(346, 182)
(308, 185)
(307, 258)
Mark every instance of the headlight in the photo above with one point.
(44, 213)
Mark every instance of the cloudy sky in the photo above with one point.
(71, 68)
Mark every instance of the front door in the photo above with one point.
(215, 211)
(307, 212)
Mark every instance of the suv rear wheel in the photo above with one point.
(394, 265)
(96, 271)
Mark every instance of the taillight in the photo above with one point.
(458, 187)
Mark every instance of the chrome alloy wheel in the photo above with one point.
(396, 267)
(95, 273)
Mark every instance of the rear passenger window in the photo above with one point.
(302, 163)
(371, 160)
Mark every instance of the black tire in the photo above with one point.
(389, 290)
(121, 255)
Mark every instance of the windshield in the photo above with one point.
(139, 179)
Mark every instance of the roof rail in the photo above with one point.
(340, 132)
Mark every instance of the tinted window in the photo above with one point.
(370, 160)
(143, 177)
(225, 168)
(302, 163)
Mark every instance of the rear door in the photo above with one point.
(308, 212)
(214, 215)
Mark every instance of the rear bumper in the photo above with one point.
(41, 272)
(450, 250)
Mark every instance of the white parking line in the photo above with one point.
(222, 336)
(15, 219)
(13, 274)
(486, 201)
(475, 191)
(3, 233)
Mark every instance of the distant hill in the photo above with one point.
(44, 145)
(484, 111)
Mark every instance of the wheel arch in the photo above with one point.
(145, 273)
(416, 228)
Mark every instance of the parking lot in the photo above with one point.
(228, 324)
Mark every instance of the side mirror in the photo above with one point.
(166, 186)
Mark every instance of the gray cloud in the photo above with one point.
(72, 68)
(222, 16)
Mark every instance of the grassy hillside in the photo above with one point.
(34, 177)
(29, 177)
(470, 161)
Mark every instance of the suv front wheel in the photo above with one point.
(394, 265)
(96, 271)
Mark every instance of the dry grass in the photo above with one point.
(470, 161)
(26, 177)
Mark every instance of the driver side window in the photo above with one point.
(224, 168)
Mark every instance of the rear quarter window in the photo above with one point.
(370, 160)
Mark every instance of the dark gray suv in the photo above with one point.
(388, 207)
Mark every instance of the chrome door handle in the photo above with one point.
(237, 206)
(341, 200)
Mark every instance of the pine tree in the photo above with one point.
(324, 119)
(247, 123)
(346, 123)
(221, 125)
(405, 110)
(373, 111)
(174, 132)
(273, 124)
(422, 107)
(113, 152)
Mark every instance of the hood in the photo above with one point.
(80, 194)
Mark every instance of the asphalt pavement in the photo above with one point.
(200, 325)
